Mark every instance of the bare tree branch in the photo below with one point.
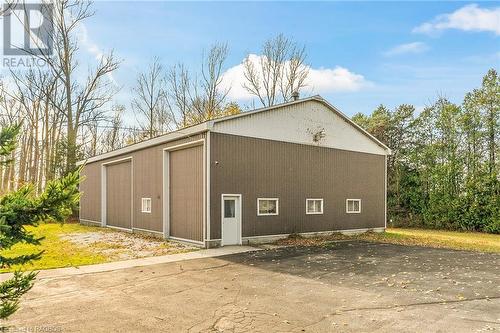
(278, 72)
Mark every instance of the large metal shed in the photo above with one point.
(298, 167)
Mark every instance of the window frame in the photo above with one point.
(268, 214)
(315, 213)
(144, 207)
(347, 206)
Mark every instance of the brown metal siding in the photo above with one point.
(90, 201)
(119, 195)
(293, 172)
(186, 193)
(147, 183)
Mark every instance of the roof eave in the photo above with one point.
(208, 125)
(179, 134)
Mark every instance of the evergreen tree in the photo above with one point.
(444, 171)
(23, 208)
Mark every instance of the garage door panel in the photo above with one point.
(119, 195)
(186, 193)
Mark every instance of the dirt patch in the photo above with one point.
(118, 245)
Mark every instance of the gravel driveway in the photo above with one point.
(120, 245)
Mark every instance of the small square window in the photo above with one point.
(353, 206)
(314, 206)
(146, 205)
(267, 206)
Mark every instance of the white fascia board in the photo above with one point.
(179, 134)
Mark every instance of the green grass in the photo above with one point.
(63, 253)
(470, 241)
(57, 252)
(475, 241)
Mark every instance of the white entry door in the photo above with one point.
(231, 219)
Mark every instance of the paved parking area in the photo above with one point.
(346, 287)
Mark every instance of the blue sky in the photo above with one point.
(362, 53)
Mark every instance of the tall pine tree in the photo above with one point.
(22, 208)
(445, 168)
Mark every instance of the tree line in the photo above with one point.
(444, 171)
(50, 117)
(68, 112)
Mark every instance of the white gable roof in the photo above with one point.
(298, 122)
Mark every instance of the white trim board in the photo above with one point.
(149, 231)
(98, 223)
(322, 206)
(188, 241)
(204, 191)
(144, 207)
(120, 228)
(347, 206)
(385, 193)
(208, 190)
(269, 214)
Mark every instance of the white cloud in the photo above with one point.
(319, 80)
(338, 79)
(415, 47)
(233, 79)
(91, 47)
(467, 18)
(84, 39)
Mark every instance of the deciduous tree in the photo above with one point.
(279, 71)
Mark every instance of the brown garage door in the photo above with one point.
(119, 195)
(186, 193)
